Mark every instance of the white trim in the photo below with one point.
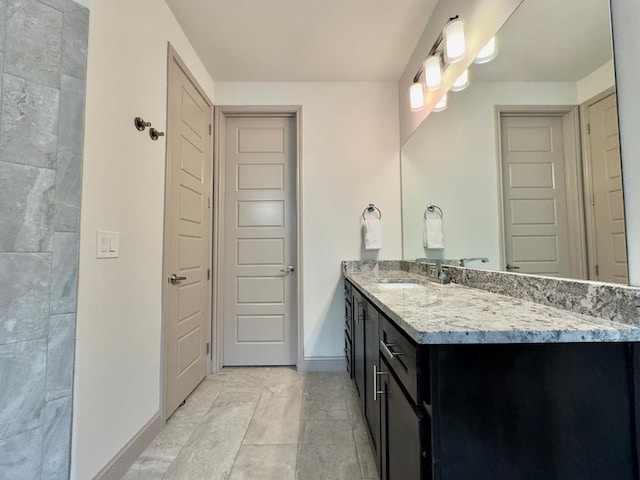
(126, 457)
(324, 364)
(220, 114)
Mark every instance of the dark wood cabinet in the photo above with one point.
(525, 411)
(402, 424)
(371, 399)
(359, 312)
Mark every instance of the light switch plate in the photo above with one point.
(107, 244)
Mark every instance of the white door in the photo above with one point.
(260, 301)
(607, 200)
(534, 194)
(187, 226)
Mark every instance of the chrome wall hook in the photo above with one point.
(141, 124)
(155, 134)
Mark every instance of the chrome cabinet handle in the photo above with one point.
(289, 269)
(175, 279)
(512, 267)
(387, 348)
(377, 392)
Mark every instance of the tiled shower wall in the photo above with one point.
(43, 51)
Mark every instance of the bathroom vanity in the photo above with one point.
(458, 383)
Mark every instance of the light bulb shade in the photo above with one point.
(461, 82)
(433, 72)
(488, 52)
(454, 42)
(441, 105)
(416, 97)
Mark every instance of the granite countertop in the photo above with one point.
(456, 314)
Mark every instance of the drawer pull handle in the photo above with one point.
(377, 392)
(387, 348)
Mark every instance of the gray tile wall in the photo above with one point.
(43, 57)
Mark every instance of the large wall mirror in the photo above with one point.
(525, 163)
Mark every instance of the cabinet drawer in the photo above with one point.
(401, 355)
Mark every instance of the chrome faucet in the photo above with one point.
(465, 261)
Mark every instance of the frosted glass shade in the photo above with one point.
(461, 82)
(454, 41)
(416, 97)
(433, 72)
(488, 52)
(441, 105)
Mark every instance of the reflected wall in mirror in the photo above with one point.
(525, 163)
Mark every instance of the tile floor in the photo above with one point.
(263, 424)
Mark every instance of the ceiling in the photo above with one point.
(551, 41)
(303, 40)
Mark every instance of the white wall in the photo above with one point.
(451, 161)
(596, 82)
(625, 16)
(350, 157)
(117, 376)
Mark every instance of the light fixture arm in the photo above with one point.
(434, 49)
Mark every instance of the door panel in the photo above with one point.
(608, 207)
(260, 304)
(187, 227)
(534, 194)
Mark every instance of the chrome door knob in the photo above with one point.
(289, 269)
(175, 279)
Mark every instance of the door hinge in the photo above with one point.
(208, 202)
(588, 129)
(209, 129)
(208, 274)
(208, 347)
(597, 270)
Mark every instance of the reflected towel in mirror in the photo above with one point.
(372, 231)
(433, 236)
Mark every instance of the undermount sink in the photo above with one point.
(398, 284)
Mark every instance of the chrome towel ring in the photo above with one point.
(371, 208)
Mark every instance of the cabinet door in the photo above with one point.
(372, 401)
(359, 312)
(400, 432)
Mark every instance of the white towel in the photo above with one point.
(372, 234)
(433, 235)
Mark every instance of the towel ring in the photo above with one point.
(431, 208)
(371, 208)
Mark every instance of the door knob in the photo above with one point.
(175, 279)
(289, 269)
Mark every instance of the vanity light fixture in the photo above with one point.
(488, 52)
(448, 48)
(441, 105)
(416, 97)
(461, 82)
(432, 67)
(454, 41)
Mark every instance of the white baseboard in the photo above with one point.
(119, 465)
(324, 364)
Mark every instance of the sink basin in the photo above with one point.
(399, 285)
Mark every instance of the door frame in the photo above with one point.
(173, 56)
(574, 178)
(221, 113)
(589, 213)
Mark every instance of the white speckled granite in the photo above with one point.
(455, 314)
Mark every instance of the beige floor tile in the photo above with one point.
(324, 397)
(265, 462)
(276, 420)
(327, 451)
(211, 450)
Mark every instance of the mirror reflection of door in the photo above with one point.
(605, 209)
(535, 189)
